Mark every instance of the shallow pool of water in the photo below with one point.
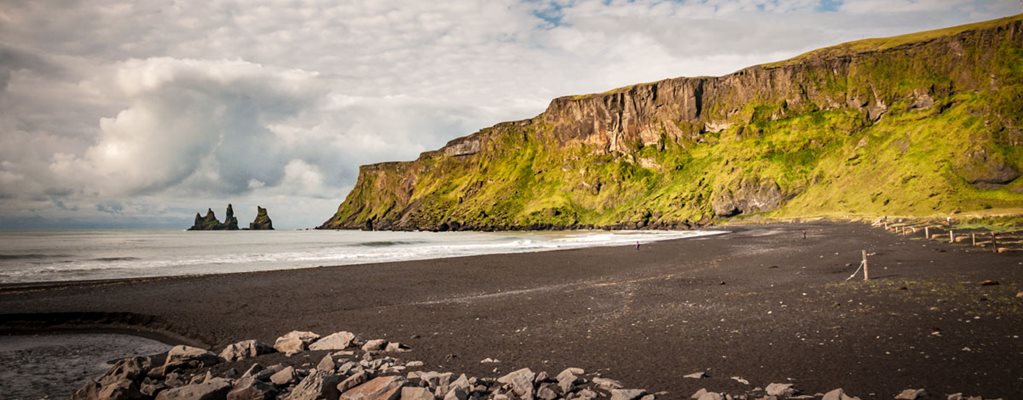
(54, 366)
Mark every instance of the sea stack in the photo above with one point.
(262, 221)
(230, 222)
(211, 223)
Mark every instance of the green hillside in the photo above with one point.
(916, 125)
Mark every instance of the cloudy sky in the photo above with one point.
(139, 114)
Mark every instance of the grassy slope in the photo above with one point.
(881, 44)
(830, 162)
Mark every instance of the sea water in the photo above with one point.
(84, 255)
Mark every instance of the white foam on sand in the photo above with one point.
(69, 256)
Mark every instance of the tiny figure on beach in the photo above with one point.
(637, 245)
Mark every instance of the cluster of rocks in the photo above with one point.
(351, 369)
(356, 369)
(211, 223)
(788, 391)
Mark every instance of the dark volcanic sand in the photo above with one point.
(761, 303)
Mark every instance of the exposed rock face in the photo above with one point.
(780, 389)
(262, 221)
(779, 136)
(334, 341)
(188, 357)
(211, 223)
(294, 342)
(245, 349)
(230, 221)
(384, 387)
(207, 223)
(122, 381)
(747, 197)
(520, 382)
(213, 389)
(316, 386)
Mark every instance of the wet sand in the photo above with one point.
(45, 366)
(761, 303)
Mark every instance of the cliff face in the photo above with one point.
(912, 125)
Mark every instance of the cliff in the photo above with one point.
(921, 124)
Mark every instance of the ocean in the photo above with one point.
(44, 256)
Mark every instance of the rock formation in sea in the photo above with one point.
(921, 124)
(262, 221)
(211, 223)
(230, 221)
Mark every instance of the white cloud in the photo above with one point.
(150, 111)
(204, 121)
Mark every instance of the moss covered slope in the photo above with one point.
(922, 124)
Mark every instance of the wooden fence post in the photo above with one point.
(974, 237)
(951, 236)
(927, 232)
(866, 272)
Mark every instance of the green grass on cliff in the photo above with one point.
(826, 155)
(909, 163)
(881, 44)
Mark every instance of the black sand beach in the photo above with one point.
(761, 303)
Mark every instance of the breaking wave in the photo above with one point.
(106, 255)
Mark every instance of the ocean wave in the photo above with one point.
(115, 259)
(181, 253)
(32, 256)
(385, 243)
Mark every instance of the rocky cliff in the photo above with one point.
(262, 221)
(919, 124)
(211, 223)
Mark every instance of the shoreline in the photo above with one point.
(759, 303)
(42, 324)
(567, 245)
(28, 363)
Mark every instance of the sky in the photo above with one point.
(139, 114)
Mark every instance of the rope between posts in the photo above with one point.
(855, 272)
